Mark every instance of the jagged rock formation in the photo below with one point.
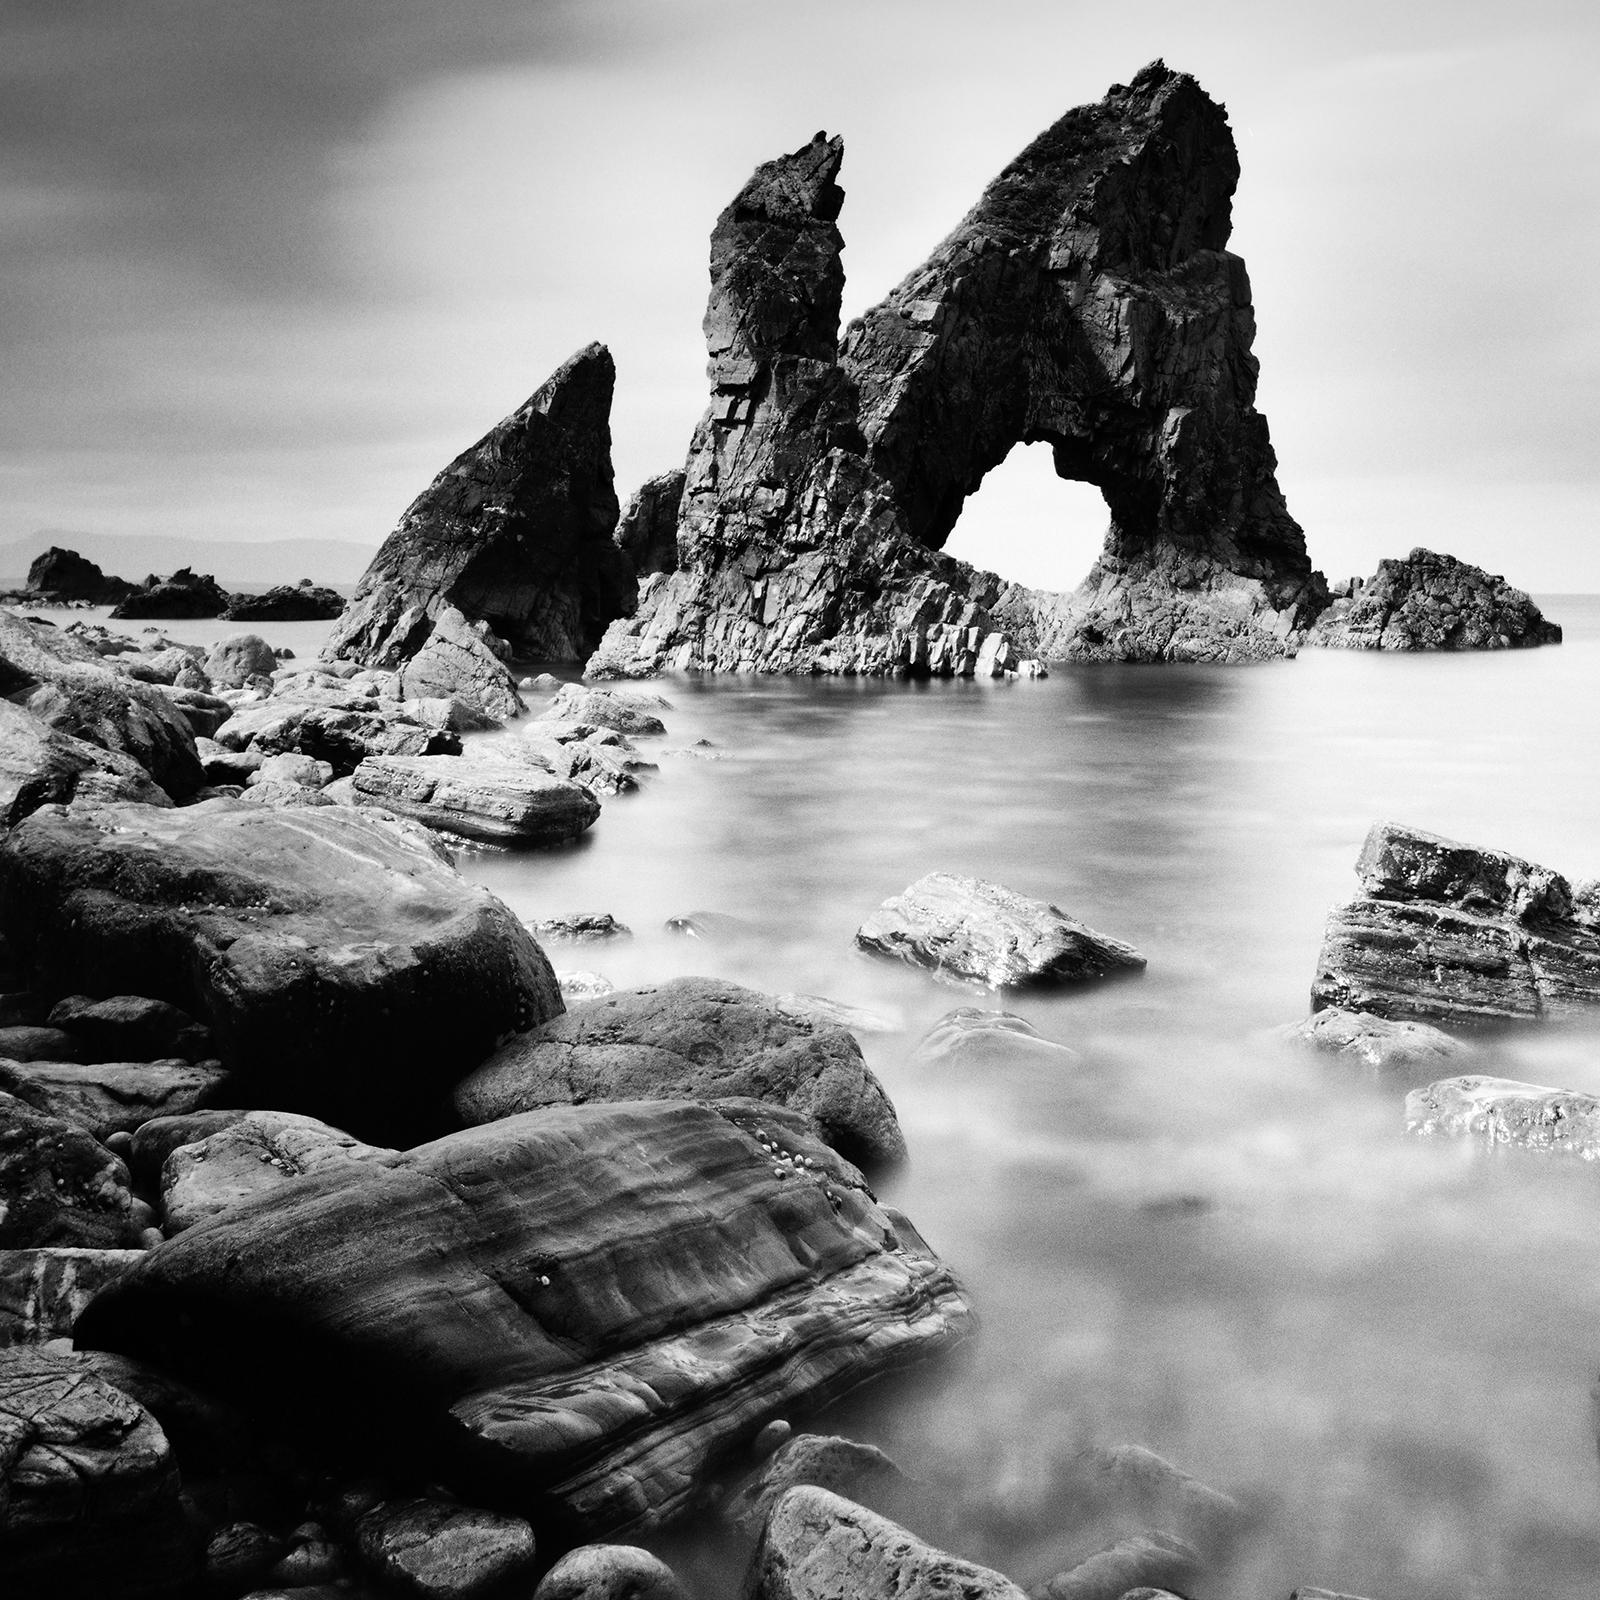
(1431, 602)
(301, 602)
(1087, 300)
(516, 532)
(65, 575)
(185, 594)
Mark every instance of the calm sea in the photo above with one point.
(1194, 1239)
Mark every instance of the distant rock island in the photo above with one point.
(1087, 300)
(63, 577)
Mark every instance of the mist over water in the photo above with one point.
(1194, 1238)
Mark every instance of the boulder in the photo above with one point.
(89, 1491)
(40, 765)
(443, 1551)
(31, 1042)
(167, 664)
(965, 929)
(692, 1039)
(1386, 1049)
(1446, 932)
(203, 711)
(286, 602)
(491, 798)
(599, 768)
(1087, 299)
(43, 1292)
(1432, 602)
(970, 1043)
(184, 594)
(344, 969)
(342, 735)
(819, 1546)
(1500, 1111)
(290, 766)
(60, 1186)
(606, 708)
(516, 532)
(234, 661)
(1154, 1560)
(278, 793)
(580, 1311)
(60, 575)
(257, 1153)
(110, 1097)
(610, 1572)
(130, 1027)
(860, 1473)
(458, 663)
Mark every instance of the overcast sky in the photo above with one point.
(266, 266)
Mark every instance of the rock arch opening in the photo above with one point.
(1028, 525)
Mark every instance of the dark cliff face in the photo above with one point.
(515, 532)
(1086, 300)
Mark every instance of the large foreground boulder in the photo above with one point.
(573, 1313)
(344, 968)
(1432, 602)
(1450, 933)
(516, 533)
(977, 932)
(693, 1039)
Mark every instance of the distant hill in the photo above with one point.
(338, 563)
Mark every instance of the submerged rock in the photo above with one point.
(693, 1039)
(587, 1308)
(492, 798)
(343, 968)
(516, 532)
(1386, 1048)
(1154, 1559)
(1450, 933)
(581, 926)
(1432, 602)
(1500, 1111)
(819, 1546)
(967, 929)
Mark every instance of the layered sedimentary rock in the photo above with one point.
(343, 968)
(516, 532)
(1087, 301)
(1431, 602)
(581, 1310)
(1446, 932)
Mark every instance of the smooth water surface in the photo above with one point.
(1195, 1239)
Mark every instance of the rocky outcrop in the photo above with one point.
(185, 594)
(301, 602)
(977, 932)
(490, 798)
(818, 1545)
(345, 971)
(1087, 300)
(1446, 932)
(693, 1039)
(586, 1308)
(1431, 602)
(61, 575)
(67, 687)
(458, 663)
(516, 533)
(1500, 1111)
(39, 765)
(647, 530)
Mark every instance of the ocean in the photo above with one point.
(1193, 1238)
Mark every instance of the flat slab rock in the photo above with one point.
(819, 1546)
(339, 962)
(972, 931)
(1501, 1111)
(585, 1308)
(1446, 932)
(693, 1039)
(494, 799)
